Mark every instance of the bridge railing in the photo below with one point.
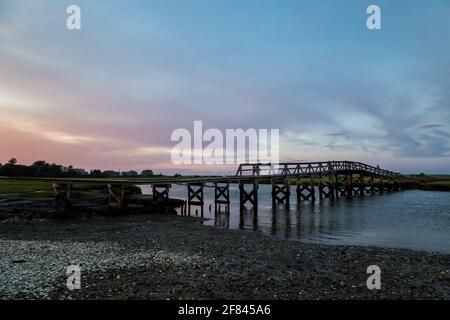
(311, 168)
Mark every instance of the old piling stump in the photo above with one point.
(62, 193)
(116, 196)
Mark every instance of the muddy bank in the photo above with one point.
(156, 256)
(14, 208)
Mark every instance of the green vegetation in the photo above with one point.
(26, 189)
(443, 185)
(38, 189)
(432, 182)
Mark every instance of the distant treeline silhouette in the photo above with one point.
(43, 169)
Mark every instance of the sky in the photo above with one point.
(109, 95)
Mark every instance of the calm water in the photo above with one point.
(411, 219)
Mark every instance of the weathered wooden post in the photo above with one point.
(281, 188)
(274, 192)
(195, 197)
(185, 208)
(381, 185)
(313, 189)
(361, 185)
(337, 185)
(326, 190)
(331, 186)
(305, 191)
(116, 196)
(161, 195)
(248, 196)
(372, 185)
(389, 185)
(349, 186)
(341, 186)
(62, 192)
(298, 191)
(221, 196)
(321, 188)
(287, 188)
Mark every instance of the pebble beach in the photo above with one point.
(159, 256)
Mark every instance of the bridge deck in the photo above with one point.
(294, 169)
(246, 172)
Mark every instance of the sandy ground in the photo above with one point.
(168, 257)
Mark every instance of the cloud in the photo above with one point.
(115, 91)
(431, 126)
(335, 134)
(53, 136)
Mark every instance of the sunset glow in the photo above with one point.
(109, 95)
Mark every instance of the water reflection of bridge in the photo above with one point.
(311, 219)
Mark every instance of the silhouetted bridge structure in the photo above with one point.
(325, 180)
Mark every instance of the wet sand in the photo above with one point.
(154, 256)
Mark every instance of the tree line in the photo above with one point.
(44, 169)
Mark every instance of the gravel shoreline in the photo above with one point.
(156, 256)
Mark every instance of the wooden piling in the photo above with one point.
(248, 196)
(221, 196)
(326, 189)
(281, 191)
(349, 186)
(62, 193)
(116, 195)
(161, 195)
(196, 197)
(305, 191)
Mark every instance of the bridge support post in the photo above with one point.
(389, 186)
(371, 185)
(62, 192)
(349, 186)
(305, 191)
(336, 185)
(281, 191)
(359, 186)
(331, 191)
(341, 186)
(326, 190)
(195, 196)
(380, 185)
(161, 195)
(116, 196)
(248, 196)
(396, 186)
(321, 188)
(221, 196)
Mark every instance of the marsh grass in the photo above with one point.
(443, 185)
(37, 189)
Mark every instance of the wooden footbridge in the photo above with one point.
(330, 179)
